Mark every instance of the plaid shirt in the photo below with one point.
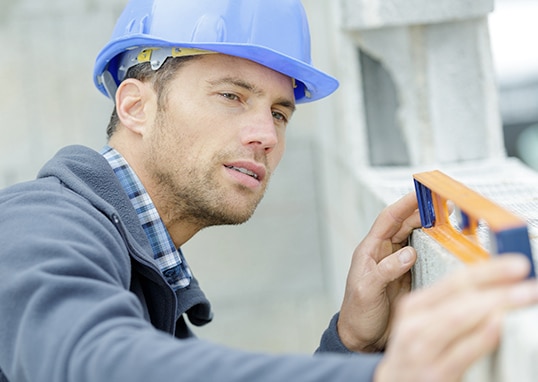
(170, 259)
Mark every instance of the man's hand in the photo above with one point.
(438, 332)
(378, 277)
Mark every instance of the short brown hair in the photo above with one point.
(160, 79)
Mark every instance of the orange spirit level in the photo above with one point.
(507, 232)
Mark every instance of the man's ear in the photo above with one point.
(133, 102)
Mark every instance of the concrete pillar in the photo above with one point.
(427, 80)
(417, 90)
(418, 93)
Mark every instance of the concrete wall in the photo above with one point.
(48, 99)
(435, 81)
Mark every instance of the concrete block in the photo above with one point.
(369, 14)
(441, 79)
(433, 262)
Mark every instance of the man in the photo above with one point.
(93, 284)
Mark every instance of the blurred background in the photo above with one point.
(272, 281)
(513, 29)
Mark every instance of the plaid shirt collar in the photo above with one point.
(170, 259)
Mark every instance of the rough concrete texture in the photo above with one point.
(368, 14)
(433, 260)
(427, 65)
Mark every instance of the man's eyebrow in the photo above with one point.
(237, 82)
(287, 104)
(252, 88)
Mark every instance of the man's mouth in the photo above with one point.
(244, 171)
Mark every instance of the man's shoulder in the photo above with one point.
(76, 160)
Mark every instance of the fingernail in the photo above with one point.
(405, 256)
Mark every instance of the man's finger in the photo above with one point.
(390, 220)
(499, 270)
(411, 223)
(396, 265)
(462, 354)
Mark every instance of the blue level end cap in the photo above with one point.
(425, 205)
(515, 240)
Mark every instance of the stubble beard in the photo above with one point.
(202, 201)
(195, 195)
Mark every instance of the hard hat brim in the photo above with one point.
(317, 83)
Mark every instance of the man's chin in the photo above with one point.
(233, 219)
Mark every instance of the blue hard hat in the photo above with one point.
(273, 33)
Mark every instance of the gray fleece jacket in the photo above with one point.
(81, 298)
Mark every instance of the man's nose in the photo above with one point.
(261, 131)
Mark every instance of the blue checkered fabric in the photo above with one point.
(170, 259)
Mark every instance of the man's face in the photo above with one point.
(217, 139)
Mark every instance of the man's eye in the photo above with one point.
(230, 96)
(279, 116)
